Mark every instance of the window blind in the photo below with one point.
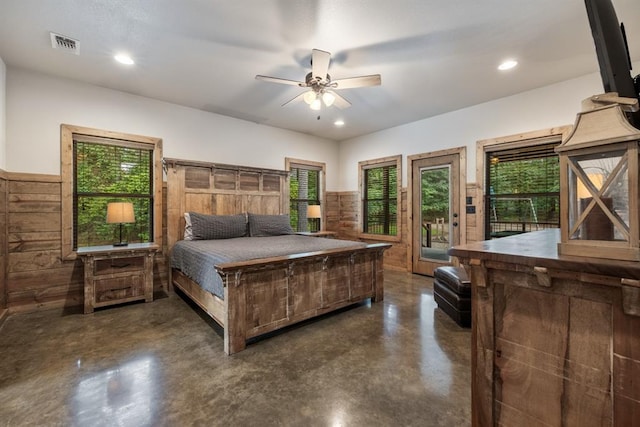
(105, 172)
(380, 200)
(522, 190)
(304, 190)
(528, 170)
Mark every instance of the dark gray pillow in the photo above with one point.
(269, 225)
(211, 227)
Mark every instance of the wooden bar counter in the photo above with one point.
(556, 339)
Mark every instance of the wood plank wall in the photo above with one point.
(3, 246)
(474, 233)
(342, 212)
(343, 216)
(36, 275)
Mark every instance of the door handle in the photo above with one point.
(455, 224)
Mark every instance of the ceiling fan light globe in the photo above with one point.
(309, 97)
(328, 98)
(316, 104)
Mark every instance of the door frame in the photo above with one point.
(462, 222)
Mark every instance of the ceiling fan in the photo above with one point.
(321, 87)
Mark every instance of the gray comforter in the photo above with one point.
(197, 258)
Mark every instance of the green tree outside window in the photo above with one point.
(106, 173)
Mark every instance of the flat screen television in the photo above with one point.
(612, 51)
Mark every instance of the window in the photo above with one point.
(523, 190)
(380, 189)
(105, 171)
(306, 184)
(99, 167)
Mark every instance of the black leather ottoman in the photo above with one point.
(452, 293)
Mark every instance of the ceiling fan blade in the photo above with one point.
(320, 64)
(294, 100)
(281, 81)
(372, 80)
(340, 101)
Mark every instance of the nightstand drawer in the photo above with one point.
(118, 288)
(118, 265)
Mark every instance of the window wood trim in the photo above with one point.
(374, 163)
(66, 167)
(484, 146)
(308, 164)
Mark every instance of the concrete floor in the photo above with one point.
(396, 363)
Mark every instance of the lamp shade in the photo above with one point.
(328, 98)
(313, 211)
(316, 104)
(120, 213)
(309, 97)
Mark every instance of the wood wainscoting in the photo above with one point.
(3, 246)
(33, 275)
(343, 212)
(474, 233)
(343, 217)
(36, 276)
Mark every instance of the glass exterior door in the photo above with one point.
(435, 211)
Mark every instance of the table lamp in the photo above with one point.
(314, 212)
(120, 213)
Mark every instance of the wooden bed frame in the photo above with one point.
(266, 294)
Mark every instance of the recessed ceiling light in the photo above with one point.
(507, 65)
(339, 123)
(124, 59)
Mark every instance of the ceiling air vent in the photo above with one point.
(64, 43)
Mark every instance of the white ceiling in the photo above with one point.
(434, 56)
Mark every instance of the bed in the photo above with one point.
(264, 294)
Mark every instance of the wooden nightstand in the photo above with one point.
(114, 275)
(326, 234)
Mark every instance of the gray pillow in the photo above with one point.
(269, 225)
(211, 227)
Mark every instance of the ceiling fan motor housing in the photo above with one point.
(315, 83)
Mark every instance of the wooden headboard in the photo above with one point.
(219, 189)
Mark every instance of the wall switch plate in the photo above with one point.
(471, 209)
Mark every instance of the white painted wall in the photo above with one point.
(3, 115)
(37, 104)
(542, 108)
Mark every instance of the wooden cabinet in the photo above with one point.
(115, 275)
(555, 338)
